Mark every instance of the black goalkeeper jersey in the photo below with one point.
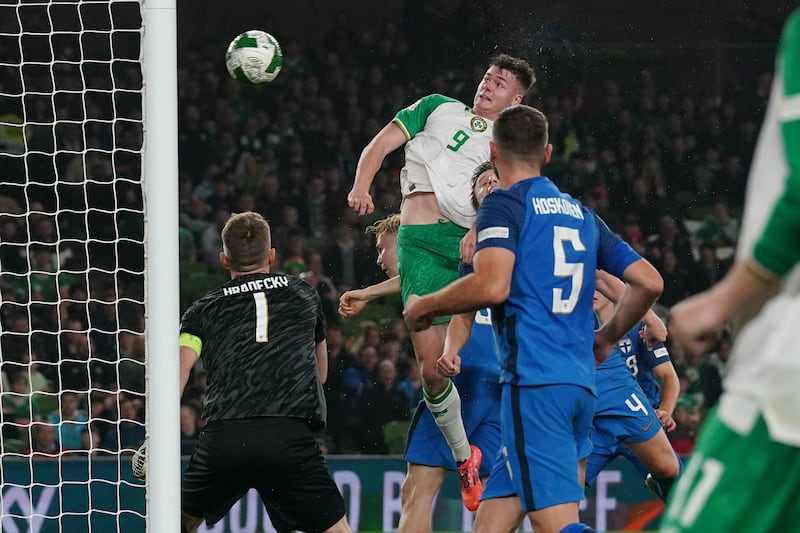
(259, 334)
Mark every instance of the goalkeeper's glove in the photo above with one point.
(139, 462)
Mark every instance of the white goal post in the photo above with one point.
(89, 282)
(161, 257)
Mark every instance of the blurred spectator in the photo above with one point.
(294, 255)
(128, 432)
(713, 370)
(673, 237)
(380, 403)
(19, 408)
(360, 375)
(709, 268)
(90, 440)
(43, 441)
(70, 421)
(676, 279)
(347, 258)
(719, 228)
(339, 360)
(370, 335)
(412, 384)
(316, 277)
(211, 242)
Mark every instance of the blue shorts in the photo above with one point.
(480, 410)
(623, 416)
(545, 434)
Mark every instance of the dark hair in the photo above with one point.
(517, 66)
(520, 132)
(246, 241)
(480, 169)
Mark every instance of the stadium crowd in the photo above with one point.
(665, 169)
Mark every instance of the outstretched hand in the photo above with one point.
(360, 202)
(695, 323)
(352, 302)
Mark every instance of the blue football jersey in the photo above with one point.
(479, 356)
(641, 362)
(612, 373)
(545, 327)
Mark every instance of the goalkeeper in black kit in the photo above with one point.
(262, 340)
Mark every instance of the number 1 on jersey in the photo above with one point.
(262, 317)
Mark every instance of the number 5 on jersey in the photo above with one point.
(262, 317)
(564, 269)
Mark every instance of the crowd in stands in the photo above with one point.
(664, 168)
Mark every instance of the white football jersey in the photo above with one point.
(765, 365)
(446, 143)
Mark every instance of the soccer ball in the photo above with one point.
(254, 58)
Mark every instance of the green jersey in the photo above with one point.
(446, 143)
(765, 365)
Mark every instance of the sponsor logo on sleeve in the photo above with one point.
(660, 352)
(495, 232)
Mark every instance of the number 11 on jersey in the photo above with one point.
(262, 317)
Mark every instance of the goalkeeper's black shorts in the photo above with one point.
(279, 457)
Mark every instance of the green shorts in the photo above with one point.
(736, 482)
(428, 257)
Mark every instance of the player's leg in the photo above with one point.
(498, 515)
(545, 436)
(292, 478)
(648, 441)
(661, 461)
(210, 484)
(428, 258)
(339, 527)
(657, 455)
(416, 496)
(441, 396)
(189, 523)
(604, 450)
(737, 479)
(635, 461)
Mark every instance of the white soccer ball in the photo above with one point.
(254, 58)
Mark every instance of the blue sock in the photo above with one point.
(576, 527)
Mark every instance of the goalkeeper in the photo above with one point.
(262, 340)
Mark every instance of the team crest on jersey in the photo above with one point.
(478, 124)
(625, 345)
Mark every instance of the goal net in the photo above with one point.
(72, 264)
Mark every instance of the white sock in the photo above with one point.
(446, 411)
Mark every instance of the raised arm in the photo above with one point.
(321, 351)
(643, 286)
(458, 331)
(188, 358)
(353, 302)
(389, 139)
(670, 390)
(612, 288)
